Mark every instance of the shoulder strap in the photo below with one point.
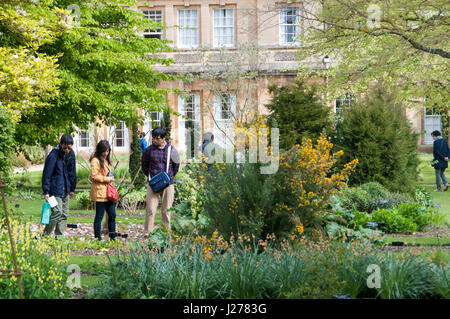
(168, 159)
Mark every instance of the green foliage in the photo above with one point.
(423, 197)
(44, 275)
(83, 200)
(6, 148)
(138, 178)
(378, 134)
(28, 76)
(194, 267)
(83, 175)
(166, 122)
(105, 68)
(367, 235)
(298, 112)
(34, 154)
(395, 222)
(401, 43)
(406, 218)
(368, 197)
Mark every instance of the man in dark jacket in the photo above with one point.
(154, 161)
(441, 153)
(59, 179)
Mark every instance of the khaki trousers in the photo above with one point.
(58, 218)
(166, 195)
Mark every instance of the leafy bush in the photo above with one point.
(395, 222)
(83, 200)
(133, 200)
(239, 199)
(43, 267)
(369, 197)
(423, 197)
(378, 134)
(406, 218)
(83, 174)
(34, 154)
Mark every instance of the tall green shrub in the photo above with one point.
(166, 122)
(6, 147)
(378, 134)
(298, 113)
(135, 159)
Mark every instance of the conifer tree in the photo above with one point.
(378, 134)
(298, 112)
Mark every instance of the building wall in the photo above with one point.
(255, 22)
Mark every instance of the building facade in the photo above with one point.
(232, 50)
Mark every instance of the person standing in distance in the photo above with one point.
(441, 154)
(59, 179)
(142, 142)
(154, 161)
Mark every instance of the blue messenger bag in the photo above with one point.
(161, 180)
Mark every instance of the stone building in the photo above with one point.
(234, 49)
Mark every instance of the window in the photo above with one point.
(155, 15)
(188, 28)
(223, 27)
(84, 139)
(156, 118)
(432, 122)
(225, 106)
(345, 101)
(119, 135)
(289, 25)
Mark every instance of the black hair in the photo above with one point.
(435, 133)
(66, 139)
(159, 131)
(102, 146)
(142, 134)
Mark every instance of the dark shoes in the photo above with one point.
(446, 187)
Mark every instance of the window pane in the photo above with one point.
(188, 32)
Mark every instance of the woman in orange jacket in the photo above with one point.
(101, 176)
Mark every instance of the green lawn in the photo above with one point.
(420, 240)
(31, 210)
(427, 179)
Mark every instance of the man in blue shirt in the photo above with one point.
(441, 153)
(142, 141)
(59, 179)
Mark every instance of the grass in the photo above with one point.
(420, 240)
(31, 210)
(427, 178)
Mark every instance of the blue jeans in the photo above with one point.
(440, 174)
(100, 208)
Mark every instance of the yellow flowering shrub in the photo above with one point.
(308, 179)
(42, 266)
(239, 199)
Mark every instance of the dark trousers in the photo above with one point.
(100, 208)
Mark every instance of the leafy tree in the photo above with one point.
(404, 43)
(106, 71)
(28, 76)
(298, 113)
(377, 133)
